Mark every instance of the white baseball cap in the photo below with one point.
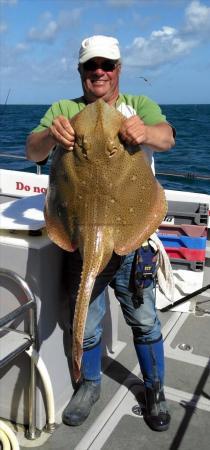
(103, 46)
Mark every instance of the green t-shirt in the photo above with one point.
(127, 104)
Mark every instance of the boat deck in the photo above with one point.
(116, 421)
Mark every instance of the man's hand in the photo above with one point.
(62, 132)
(159, 137)
(133, 131)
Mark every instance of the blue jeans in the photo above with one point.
(143, 320)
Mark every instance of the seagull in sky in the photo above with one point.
(146, 80)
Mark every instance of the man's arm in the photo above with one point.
(39, 144)
(158, 137)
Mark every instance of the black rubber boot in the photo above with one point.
(156, 415)
(79, 407)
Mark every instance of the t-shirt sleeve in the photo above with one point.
(46, 121)
(54, 111)
(64, 107)
(149, 111)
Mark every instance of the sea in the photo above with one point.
(186, 167)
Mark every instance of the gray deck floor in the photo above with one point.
(112, 423)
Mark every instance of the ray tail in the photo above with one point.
(98, 249)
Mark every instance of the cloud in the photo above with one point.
(197, 17)
(3, 27)
(170, 44)
(21, 47)
(25, 62)
(59, 71)
(17, 64)
(165, 34)
(48, 28)
(163, 46)
(9, 2)
(120, 3)
(46, 34)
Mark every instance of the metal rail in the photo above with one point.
(31, 306)
(187, 175)
(23, 158)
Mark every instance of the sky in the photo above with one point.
(165, 48)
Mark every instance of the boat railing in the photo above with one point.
(21, 158)
(20, 341)
(186, 175)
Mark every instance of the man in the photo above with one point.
(99, 68)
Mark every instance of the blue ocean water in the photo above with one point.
(190, 156)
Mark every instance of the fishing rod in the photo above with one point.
(185, 299)
(7, 96)
(187, 175)
(5, 103)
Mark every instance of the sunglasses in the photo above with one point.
(106, 66)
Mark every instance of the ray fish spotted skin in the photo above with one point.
(100, 199)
